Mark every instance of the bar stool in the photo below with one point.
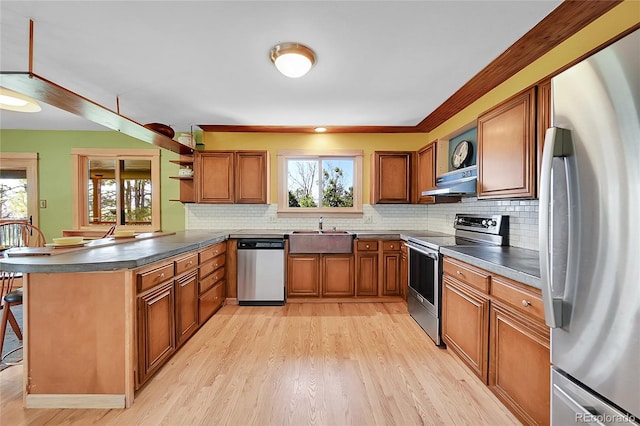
(9, 298)
(14, 234)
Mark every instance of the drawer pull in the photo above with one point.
(460, 273)
(525, 303)
(190, 263)
(215, 252)
(392, 246)
(161, 275)
(367, 246)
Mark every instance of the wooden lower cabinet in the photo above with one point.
(320, 275)
(175, 297)
(367, 274)
(186, 306)
(404, 271)
(496, 326)
(391, 258)
(337, 275)
(303, 275)
(519, 367)
(156, 329)
(211, 300)
(465, 325)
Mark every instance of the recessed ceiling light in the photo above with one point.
(320, 129)
(292, 59)
(14, 101)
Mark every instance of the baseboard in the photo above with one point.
(74, 401)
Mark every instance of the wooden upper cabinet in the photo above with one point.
(214, 175)
(232, 177)
(251, 171)
(391, 177)
(544, 121)
(426, 174)
(506, 148)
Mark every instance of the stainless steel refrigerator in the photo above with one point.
(590, 237)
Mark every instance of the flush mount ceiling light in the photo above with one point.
(14, 101)
(292, 59)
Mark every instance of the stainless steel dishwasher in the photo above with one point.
(261, 271)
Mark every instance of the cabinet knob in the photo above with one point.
(525, 303)
(392, 246)
(367, 246)
(460, 273)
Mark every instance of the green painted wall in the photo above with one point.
(54, 172)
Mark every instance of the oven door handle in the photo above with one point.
(430, 254)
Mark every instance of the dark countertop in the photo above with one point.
(512, 262)
(120, 256)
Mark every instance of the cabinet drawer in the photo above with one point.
(467, 274)
(367, 245)
(156, 276)
(208, 281)
(212, 265)
(517, 297)
(211, 301)
(186, 263)
(391, 245)
(213, 251)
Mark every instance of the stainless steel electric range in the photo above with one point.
(425, 263)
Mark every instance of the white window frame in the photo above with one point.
(80, 160)
(283, 191)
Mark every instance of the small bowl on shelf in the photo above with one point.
(163, 129)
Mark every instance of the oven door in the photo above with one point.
(423, 299)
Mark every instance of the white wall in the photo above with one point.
(523, 218)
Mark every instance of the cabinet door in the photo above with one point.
(465, 325)
(367, 274)
(214, 176)
(506, 142)
(519, 364)
(303, 275)
(156, 329)
(391, 274)
(426, 175)
(251, 171)
(391, 177)
(186, 306)
(404, 272)
(544, 122)
(337, 275)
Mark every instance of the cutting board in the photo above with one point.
(103, 242)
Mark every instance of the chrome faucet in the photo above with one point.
(320, 224)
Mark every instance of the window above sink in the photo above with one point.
(314, 184)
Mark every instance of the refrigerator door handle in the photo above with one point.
(554, 230)
(581, 412)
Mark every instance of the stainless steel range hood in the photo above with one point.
(459, 183)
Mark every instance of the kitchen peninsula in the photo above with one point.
(80, 313)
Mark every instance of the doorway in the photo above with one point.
(19, 186)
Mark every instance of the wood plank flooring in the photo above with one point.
(300, 364)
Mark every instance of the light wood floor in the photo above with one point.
(301, 364)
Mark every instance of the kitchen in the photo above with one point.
(523, 213)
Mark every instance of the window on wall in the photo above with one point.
(117, 187)
(310, 184)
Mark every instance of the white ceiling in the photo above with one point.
(379, 63)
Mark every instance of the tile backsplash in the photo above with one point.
(523, 217)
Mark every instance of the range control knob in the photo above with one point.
(485, 222)
(492, 223)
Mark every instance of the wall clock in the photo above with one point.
(462, 153)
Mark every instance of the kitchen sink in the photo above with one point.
(320, 242)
